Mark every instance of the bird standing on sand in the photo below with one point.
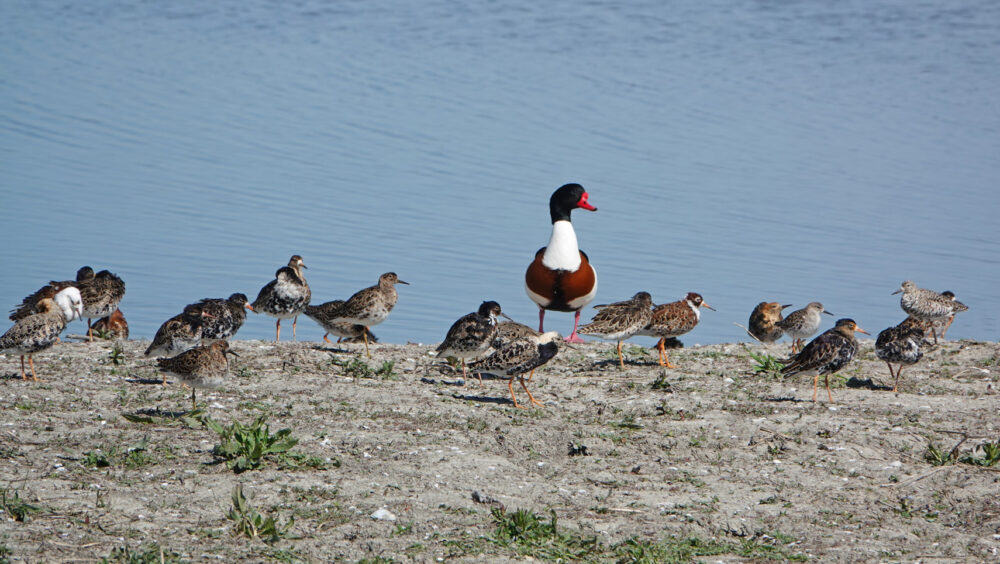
(370, 306)
(673, 320)
(101, 296)
(37, 332)
(471, 335)
(561, 277)
(29, 305)
(927, 305)
(621, 320)
(324, 315)
(802, 324)
(178, 334)
(223, 317)
(900, 344)
(201, 367)
(826, 354)
(286, 296)
(764, 320)
(523, 354)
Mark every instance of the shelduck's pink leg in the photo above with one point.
(573, 338)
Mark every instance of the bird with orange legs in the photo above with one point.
(673, 320)
(370, 306)
(518, 356)
(39, 331)
(802, 324)
(826, 354)
(561, 277)
(901, 344)
(621, 320)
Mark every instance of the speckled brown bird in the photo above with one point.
(471, 335)
(101, 297)
(370, 306)
(112, 327)
(223, 317)
(826, 354)
(324, 315)
(928, 305)
(764, 320)
(201, 367)
(802, 324)
(561, 277)
(39, 331)
(621, 320)
(900, 344)
(286, 296)
(521, 355)
(673, 320)
(178, 334)
(29, 305)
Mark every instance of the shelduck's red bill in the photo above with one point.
(583, 203)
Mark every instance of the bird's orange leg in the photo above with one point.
(31, 362)
(829, 394)
(367, 352)
(895, 383)
(621, 360)
(90, 331)
(510, 386)
(295, 321)
(327, 339)
(666, 357)
(277, 331)
(530, 397)
(164, 378)
(532, 375)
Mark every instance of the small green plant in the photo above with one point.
(765, 364)
(132, 457)
(937, 456)
(530, 535)
(117, 354)
(661, 383)
(358, 368)
(990, 457)
(147, 554)
(251, 524)
(15, 507)
(246, 447)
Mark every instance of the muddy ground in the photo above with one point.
(706, 461)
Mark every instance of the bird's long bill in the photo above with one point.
(860, 330)
(505, 316)
(703, 304)
(787, 305)
(232, 352)
(398, 281)
(250, 307)
(583, 203)
(827, 312)
(896, 292)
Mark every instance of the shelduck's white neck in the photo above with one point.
(562, 252)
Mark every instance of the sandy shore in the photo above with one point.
(707, 461)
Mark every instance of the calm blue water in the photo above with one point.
(787, 151)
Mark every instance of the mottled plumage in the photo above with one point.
(672, 320)
(802, 323)
(324, 315)
(224, 317)
(928, 305)
(370, 306)
(101, 296)
(901, 345)
(40, 331)
(29, 305)
(826, 354)
(764, 319)
(286, 296)
(509, 330)
(520, 356)
(620, 320)
(201, 367)
(179, 333)
(112, 327)
(472, 335)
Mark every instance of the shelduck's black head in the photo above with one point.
(566, 199)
